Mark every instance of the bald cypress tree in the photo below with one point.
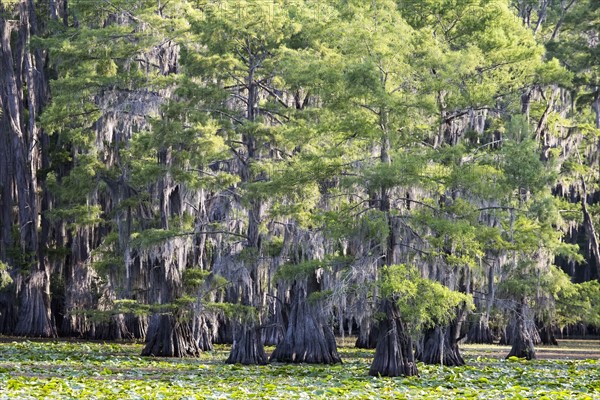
(24, 95)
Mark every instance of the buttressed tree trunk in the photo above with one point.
(440, 347)
(440, 344)
(272, 333)
(479, 330)
(394, 353)
(169, 336)
(547, 335)
(521, 340)
(247, 348)
(367, 337)
(592, 235)
(23, 67)
(307, 338)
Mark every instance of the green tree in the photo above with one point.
(236, 56)
(112, 65)
(24, 144)
(410, 302)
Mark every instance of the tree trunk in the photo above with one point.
(114, 329)
(8, 306)
(521, 340)
(367, 336)
(170, 337)
(440, 347)
(307, 338)
(224, 330)
(34, 313)
(394, 353)
(273, 332)
(24, 68)
(81, 283)
(590, 229)
(479, 331)
(6, 184)
(203, 332)
(247, 348)
(168, 334)
(547, 335)
(510, 330)
(247, 345)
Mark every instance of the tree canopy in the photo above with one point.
(198, 172)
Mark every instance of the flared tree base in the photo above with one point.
(439, 348)
(547, 336)
(394, 352)
(114, 329)
(306, 340)
(480, 332)
(34, 318)
(169, 337)
(203, 332)
(522, 346)
(522, 340)
(247, 348)
(367, 338)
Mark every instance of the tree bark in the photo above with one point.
(203, 333)
(22, 68)
(170, 337)
(479, 332)
(6, 184)
(273, 332)
(114, 329)
(247, 348)
(394, 353)
(521, 340)
(440, 347)
(590, 229)
(547, 335)
(307, 338)
(247, 345)
(367, 336)
(224, 330)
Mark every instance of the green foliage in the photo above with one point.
(77, 216)
(407, 169)
(293, 271)
(290, 272)
(115, 370)
(318, 296)
(128, 306)
(579, 303)
(5, 278)
(521, 163)
(195, 279)
(180, 308)
(332, 117)
(236, 312)
(476, 49)
(422, 302)
(457, 237)
(274, 246)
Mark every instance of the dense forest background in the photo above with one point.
(190, 172)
